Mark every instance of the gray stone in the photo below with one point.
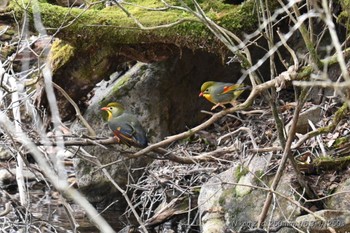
(313, 114)
(340, 201)
(211, 211)
(227, 206)
(319, 221)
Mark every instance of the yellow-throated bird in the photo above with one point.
(221, 93)
(125, 126)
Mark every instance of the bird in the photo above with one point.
(221, 93)
(125, 126)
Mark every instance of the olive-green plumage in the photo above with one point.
(221, 93)
(125, 126)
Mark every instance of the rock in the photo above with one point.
(4, 154)
(229, 207)
(336, 214)
(213, 225)
(313, 114)
(257, 165)
(342, 200)
(243, 188)
(210, 209)
(338, 220)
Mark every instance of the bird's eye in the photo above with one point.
(110, 108)
(207, 89)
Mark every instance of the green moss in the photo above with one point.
(323, 160)
(120, 83)
(196, 190)
(111, 26)
(343, 17)
(226, 195)
(240, 171)
(124, 83)
(345, 4)
(258, 176)
(61, 52)
(330, 163)
(340, 141)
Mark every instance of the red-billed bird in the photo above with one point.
(125, 126)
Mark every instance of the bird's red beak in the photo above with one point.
(200, 94)
(104, 109)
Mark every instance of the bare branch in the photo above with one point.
(77, 110)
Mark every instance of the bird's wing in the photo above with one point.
(121, 129)
(132, 134)
(124, 134)
(234, 87)
(139, 134)
(128, 130)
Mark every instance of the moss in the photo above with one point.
(120, 83)
(196, 190)
(6, 50)
(345, 4)
(331, 163)
(111, 26)
(61, 52)
(226, 195)
(343, 17)
(124, 82)
(8, 33)
(323, 159)
(340, 141)
(258, 176)
(240, 171)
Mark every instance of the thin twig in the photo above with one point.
(77, 110)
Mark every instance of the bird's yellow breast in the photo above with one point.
(109, 117)
(209, 97)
